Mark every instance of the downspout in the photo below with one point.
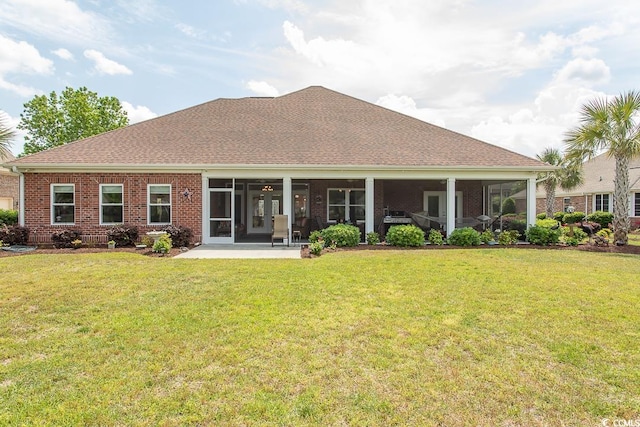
(20, 196)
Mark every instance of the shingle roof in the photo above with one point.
(313, 126)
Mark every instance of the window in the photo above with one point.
(601, 202)
(346, 204)
(159, 204)
(636, 204)
(62, 203)
(566, 202)
(111, 204)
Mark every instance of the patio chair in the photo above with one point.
(280, 228)
(302, 225)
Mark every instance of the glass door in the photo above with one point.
(221, 209)
(263, 204)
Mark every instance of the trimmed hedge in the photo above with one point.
(405, 236)
(342, 235)
(466, 236)
(8, 217)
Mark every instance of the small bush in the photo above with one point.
(558, 216)
(123, 235)
(180, 236)
(518, 225)
(76, 244)
(508, 206)
(573, 240)
(601, 217)
(163, 244)
(605, 232)
(547, 223)
(435, 237)
(373, 238)
(315, 235)
(487, 236)
(572, 218)
(342, 235)
(508, 237)
(64, 238)
(542, 215)
(8, 217)
(316, 247)
(405, 236)
(14, 235)
(466, 236)
(543, 236)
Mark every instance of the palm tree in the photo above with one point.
(610, 125)
(6, 135)
(567, 176)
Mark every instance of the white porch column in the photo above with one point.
(531, 202)
(21, 200)
(369, 205)
(287, 207)
(451, 205)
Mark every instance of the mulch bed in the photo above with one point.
(96, 249)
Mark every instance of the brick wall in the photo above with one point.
(184, 211)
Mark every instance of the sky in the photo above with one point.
(511, 73)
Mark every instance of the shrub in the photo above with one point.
(123, 235)
(373, 238)
(508, 206)
(575, 237)
(601, 217)
(315, 235)
(76, 244)
(487, 236)
(466, 236)
(180, 236)
(547, 223)
(605, 232)
(405, 236)
(544, 236)
(572, 218)
(558, 216)
(435, 237)
(515, 224)
(342, 235)
(316, 247)
(14, 235)
(8, 217)
(542, 215)
(64, 238)
(508, 237)
(163, 244)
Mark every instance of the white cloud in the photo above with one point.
(55, 19)
(63, 54)
(190, 31)
(104, 65)
(588, 72)
(262, 88)
(406, 105)
(138, 113)
(21, 58)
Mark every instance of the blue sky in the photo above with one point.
(510, 73)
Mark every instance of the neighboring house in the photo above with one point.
(223, 168)
(8, 184)
(596, 193)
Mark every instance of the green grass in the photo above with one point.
(450, 337)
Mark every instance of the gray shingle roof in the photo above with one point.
(313, 126)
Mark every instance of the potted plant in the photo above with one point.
(111, 244)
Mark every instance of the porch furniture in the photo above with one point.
(319, 223)
(296, 237)
(302, 225)
(280, 228)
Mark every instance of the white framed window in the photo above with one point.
(346, 204)
(601, 202)
(111, 204)
(159, 204)
(566, 202)
(63, 203)
(636, 204)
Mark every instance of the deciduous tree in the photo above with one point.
(74, 114)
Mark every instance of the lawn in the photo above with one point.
(508, 337)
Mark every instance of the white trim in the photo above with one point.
(369, 205)
(121, 204)
(21, 201)
(531, 202)
(451, 205)
(51, 203)
(159, 204)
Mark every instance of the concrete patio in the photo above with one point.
(242, 251)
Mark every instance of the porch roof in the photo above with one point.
(314, 126)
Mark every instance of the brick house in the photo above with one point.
(9, 184)
(223, 168)
(596, 193)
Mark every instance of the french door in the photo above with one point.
(264, 201)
